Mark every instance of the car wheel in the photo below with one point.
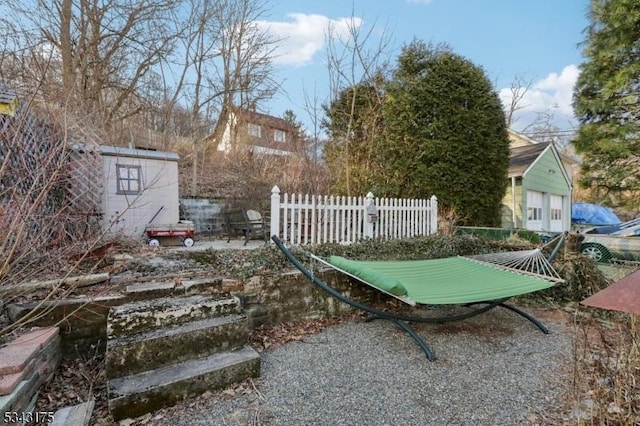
(596, 252)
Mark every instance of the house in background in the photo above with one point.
(136, 187)
(570, 162)
(538, 195)
(258, 133)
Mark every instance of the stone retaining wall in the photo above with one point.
(82, 321)
(265, 299)
(292, 297)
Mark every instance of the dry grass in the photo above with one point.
(607, 370)
(606, 364)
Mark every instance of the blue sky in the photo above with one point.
(535, 39)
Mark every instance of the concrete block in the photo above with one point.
(20, 399)
(202, 286)
(150, 290)
(83, 320)
(76, 415)
(42, 366)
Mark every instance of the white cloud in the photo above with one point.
(304, 36)
(552, 94)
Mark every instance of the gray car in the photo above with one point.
(623, 244)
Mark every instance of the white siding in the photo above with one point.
(129, 213)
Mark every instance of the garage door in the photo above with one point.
(555, 213)
(534, 210)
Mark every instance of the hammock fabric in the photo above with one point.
(453, 280)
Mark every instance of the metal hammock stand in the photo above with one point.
(506, 275)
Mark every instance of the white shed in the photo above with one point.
(140, 188)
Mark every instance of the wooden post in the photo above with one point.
(433, 225)
(369, 216)
(275, 211)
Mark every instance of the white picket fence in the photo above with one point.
(314, 219)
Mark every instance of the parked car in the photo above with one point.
(622, 244)
(618, 228)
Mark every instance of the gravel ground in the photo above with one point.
(494, 369)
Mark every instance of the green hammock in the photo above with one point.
(453, 280)
(488, 280)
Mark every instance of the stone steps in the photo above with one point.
(163, 351)
(143, 316)
(133, 396)
(158, 348)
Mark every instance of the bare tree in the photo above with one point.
(100, 52)
(355, 59)
(243, 74)
(317, 170)
(230, 58)
(542, 128)
(520, 86)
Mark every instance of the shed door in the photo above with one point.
(555, 213)
(534, 210)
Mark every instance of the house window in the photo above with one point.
(255, 130)
(129, 179)
(279, 136)
(556, 214)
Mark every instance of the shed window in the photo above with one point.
(129, 179)
(254, 130)
(279, 136)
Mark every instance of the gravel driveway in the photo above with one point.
(494, 369)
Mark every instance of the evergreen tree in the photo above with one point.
(297, 128)
(446, 134)
(607, 103)
(292, 119)
(354, 125)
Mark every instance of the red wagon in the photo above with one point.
(182, 231)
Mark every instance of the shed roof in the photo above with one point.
(117, 151)
(7, 96)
